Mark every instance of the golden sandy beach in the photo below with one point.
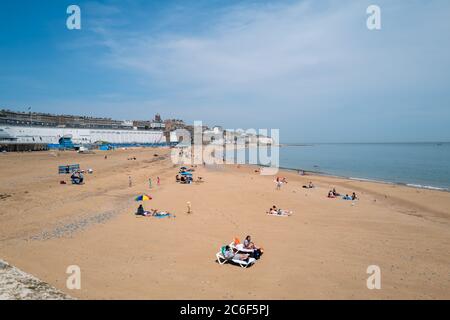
(322, 251)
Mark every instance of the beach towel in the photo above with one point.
(278, 215)
(162, 215)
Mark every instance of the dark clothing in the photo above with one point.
(140, 211)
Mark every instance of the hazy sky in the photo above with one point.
(310, 68)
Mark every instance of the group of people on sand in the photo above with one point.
(250, 247)
(152, 213)
(333, 194)
(277, 211)
(77, 177)
(183, 179)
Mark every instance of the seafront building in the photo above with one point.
(21, 131)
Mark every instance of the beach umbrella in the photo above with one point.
(186, 174)
(143, 197)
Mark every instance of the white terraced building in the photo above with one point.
(45, 135)
(29, 128)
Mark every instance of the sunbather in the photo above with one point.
(248, 244)
(284, 212)
(229, 254)
(331, 194)
(280, 212)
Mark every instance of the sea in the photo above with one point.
(420, 165)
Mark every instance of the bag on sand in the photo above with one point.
(256, 254)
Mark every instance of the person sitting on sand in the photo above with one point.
(141, 212)
(354, 197)
(177, 178)
(335, 193)
(77, 177)
(80, 177)
(331, 194)
(230, 254)
(248, 244)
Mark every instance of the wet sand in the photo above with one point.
(322, 251)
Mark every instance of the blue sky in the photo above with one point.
(310, 68)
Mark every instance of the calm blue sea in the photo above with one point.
(417, 164)
(425, 165)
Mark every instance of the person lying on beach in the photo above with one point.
(331, 194)
(282, 212)
(347, 197)
(279, 212)
(156, 213)
(230, 254)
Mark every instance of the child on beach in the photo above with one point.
(279, 184)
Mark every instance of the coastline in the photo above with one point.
(413, 164)
(409, 185)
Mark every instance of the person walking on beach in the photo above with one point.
(189, 207)
(150, 183)
(158, 181)
(279, 183)
(130, 183)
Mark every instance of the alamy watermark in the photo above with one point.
(73, 281)
(373, 22)
(374, 280)
(73, 22)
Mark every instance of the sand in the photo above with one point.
(322, 251)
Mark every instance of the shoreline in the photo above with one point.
(404, 184)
